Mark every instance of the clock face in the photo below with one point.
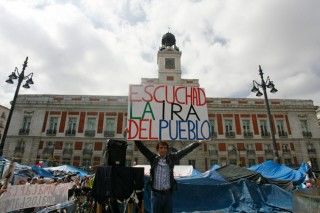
(169, 63)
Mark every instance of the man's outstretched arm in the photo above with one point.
(186, 150)
(144, 150)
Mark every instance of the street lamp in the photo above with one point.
(264, 85)
(21, 77)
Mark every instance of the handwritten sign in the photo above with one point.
(165, 112)
(26, 196)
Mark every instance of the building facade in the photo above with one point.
(4, 112)
(72, 129)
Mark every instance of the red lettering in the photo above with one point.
(131, 129)
(148, 93)
(177, 95)
(202, 96)
(155, 93)
(142, 129)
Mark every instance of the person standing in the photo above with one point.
(162, 181)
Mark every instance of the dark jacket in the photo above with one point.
(171, 159)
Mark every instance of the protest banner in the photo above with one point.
(165, 112)
(36, 195)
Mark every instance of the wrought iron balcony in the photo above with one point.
(23, 131)
(268, 152)
(67, 153)
(251, 152)
(213, 152)
(109, 134)
(230, 134)
(248, 134)
(312, 151)
(283, 134)
(232, 152)
(87, 153)
(265, 134)
(213, 134)
(70, 132)
(90, 133)
(307, 134)
(19, 149)
(51, 132)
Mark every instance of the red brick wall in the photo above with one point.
(120, 123)
(238, 125)
(78, 145)
(98, 146)
(259, 146)
(81, 122)
(220, 125)
(222, 147)
(255, 124)
(63, 121)
(100, 122)
(58, 145)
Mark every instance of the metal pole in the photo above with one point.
(20, 79)
(263, 85)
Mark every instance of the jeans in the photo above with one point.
(161, 202)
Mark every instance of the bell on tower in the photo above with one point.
(169, 57)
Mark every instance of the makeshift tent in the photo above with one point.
(68, 169)
(210, 177)
(239, 196)
(272, 170)
(234, 173)
(41, 172)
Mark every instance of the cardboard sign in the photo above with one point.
(26, 196)
(165, 112)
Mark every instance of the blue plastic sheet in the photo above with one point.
(243, 195)
(272, 170)
(41, 172)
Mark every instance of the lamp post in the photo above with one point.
(264, 85)
(21, 77)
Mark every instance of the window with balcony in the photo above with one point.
(251, 162)
(233, 161)
(67, 149)
(311, 149)
(213, 150)
(110, 127)
(264, 128)
(91, 127)
(53, 123)
(213, 131)
(25, 127)
(250, 149)
(87, 151)
(285, 149)
(305, 129)
(19, 147)
(229, 128)
(232, 150)
(246, 128)
(280, 128)
(72, 125)
(268, 149)
(49, 148)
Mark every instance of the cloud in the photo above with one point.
(99, 47)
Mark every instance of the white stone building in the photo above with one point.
(4, 111)
(73, 128)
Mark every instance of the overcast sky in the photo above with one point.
(99, 47)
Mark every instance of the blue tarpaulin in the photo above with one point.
(243, 195)
(68, 168)
(272, 170)
(210, 177)
(41, 172)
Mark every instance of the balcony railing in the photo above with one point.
(251, 152)
(48, 150)
(312, 151)
(67, 152)
(307, 134)
(213, 152)
(232, 152)
(87, 152)
(283, 134)
(213, 134)
(268, 152)
(265, 134)
(230, 134)
(248, 134)
(51, 132)
(24, 131)
(70, 132)
(90, 133)
(19, 149)
(109, 134)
